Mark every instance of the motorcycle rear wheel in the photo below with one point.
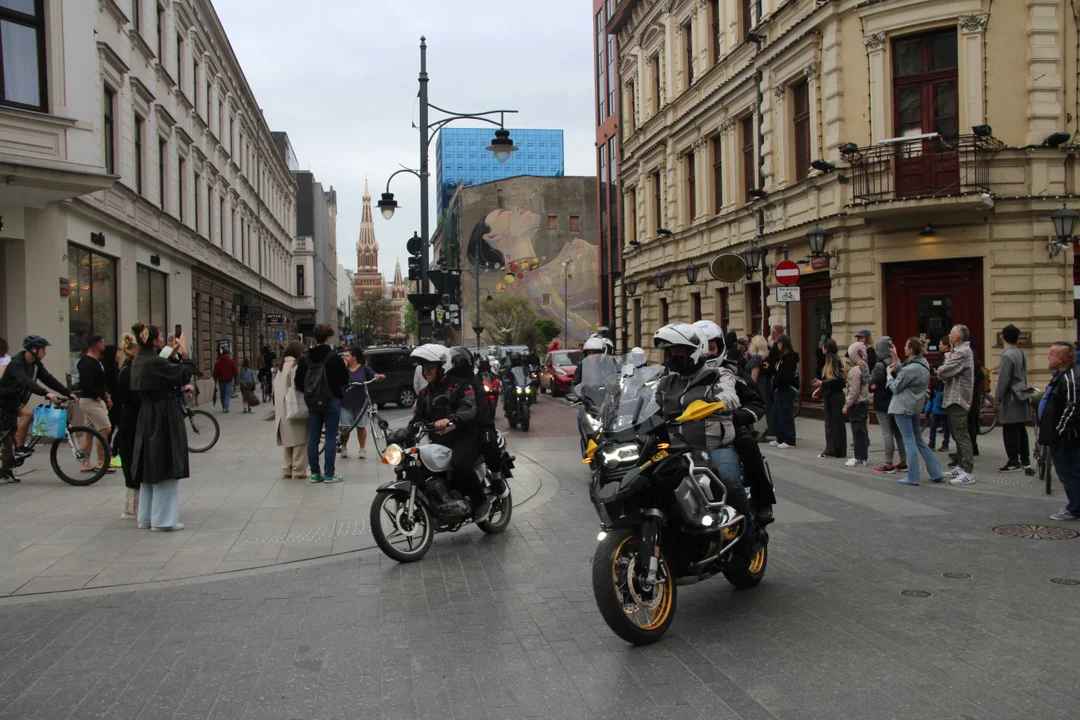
(634, 622)
(752, 574)
(387, 509)
(501, 510)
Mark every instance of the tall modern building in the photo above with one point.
(461, 156)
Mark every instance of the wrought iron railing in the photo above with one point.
(921, 166)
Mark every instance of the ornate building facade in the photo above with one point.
(398, 300)
(367, 278)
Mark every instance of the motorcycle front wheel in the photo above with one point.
(402, 538)
(637, 613)
(525, 417)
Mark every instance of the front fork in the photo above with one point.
(650, 544)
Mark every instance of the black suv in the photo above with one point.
(394, 363)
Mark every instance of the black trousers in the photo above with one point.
(973, 424)
(835, 425)
(754, 473)
(1016, 443)
(489, 448)
(859, 415)
(463, 473)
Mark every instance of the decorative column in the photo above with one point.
(972, 70)
(875, 49)
(1044, 85)
(812, 89)
(774, 150)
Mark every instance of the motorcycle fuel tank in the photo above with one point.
(436, 458)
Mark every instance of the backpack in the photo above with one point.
(317, 395)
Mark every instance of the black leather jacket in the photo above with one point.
(448, 398)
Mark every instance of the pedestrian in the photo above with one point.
(355, 400)
(775, 332)
(246, 378)
(864, 337)
(829, 386)
(757, 364)
(1013, 402)
(110, 360)
(5, 355)
(94, 401)
(857, 404)
(160, 457)
(938, 417)
(1059, 425)
(126, 407)
(735, 349)
(908, 385)
(958, 372)
(225, 372)
(979, 386)
(882, 396)
(322, 393)
(785, 387)
(292, 434)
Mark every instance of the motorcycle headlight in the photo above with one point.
(621, 454)
(393, 455)
(560, 372)
(528, 390)
(487, 388)
(519, 391)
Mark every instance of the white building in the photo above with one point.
(141, 181)
(345, 297)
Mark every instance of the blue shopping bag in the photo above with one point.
(49, 422)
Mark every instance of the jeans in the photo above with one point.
(859, 415)
(939, 421)
(835, 430)
(726, 463)
(783, 415)
(329, 419)
(1067, 464)
(911, 431)
(225, 390)
(891, 438)
(958, 421)
(159, 503)
(1016, 443)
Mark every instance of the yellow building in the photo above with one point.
(918, 135)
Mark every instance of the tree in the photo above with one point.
(509, 316)
(371, 314)
(546, 330)
(412, 321)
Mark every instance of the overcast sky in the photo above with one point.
(340, 77)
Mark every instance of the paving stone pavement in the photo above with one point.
(506, 627)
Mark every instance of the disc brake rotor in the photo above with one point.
(402, 520)
(638, 595)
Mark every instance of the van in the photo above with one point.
(395, 364)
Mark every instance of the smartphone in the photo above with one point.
(179, 332)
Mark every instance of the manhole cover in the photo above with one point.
(914, 593)
(956, 576)
(1037, 532)
(1064, 581)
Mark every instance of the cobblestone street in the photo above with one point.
(506, 626)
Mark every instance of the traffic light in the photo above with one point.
(414, 268)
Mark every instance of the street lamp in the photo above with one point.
(817, 239)
(691, 271)
(566, 301)
(630, 284)
(1065, 227)
(752, 256)
(658, 280)
(501, 146)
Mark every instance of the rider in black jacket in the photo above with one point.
(20, 381)
(487, 435)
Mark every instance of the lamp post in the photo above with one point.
(501, 146)
(566, 301)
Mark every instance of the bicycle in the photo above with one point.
(987, 414)
(267, 388)
(201, 429)
(376, 426)
(74, 436)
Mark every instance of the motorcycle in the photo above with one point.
(516, 399)
(492, 388)
(664, 515)
(408, 512)
(534, 382)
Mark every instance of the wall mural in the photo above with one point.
(519, 258)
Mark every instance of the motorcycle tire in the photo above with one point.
(751, 575)
(511, 417)
(381, 512)
(616, 547)
(525, 418)
(505, 508)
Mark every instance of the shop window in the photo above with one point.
(935, 319)
(91, 300)
(22, 54)
(152, 298)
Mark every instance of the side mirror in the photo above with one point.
(572, 398)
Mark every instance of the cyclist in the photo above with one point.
(20, 381)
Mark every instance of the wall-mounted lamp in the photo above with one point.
(658, 280)
(817, 238)
(691, 271)
(1065, 227)
(630, 286)
(155, 260)
(752, 255)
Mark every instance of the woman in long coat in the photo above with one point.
(1013, 403)
(160, 456)
(126, 407)
(291, 434)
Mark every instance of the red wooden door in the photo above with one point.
(925, 299)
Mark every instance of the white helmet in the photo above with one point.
(432, 353)
(595, 342)
(711, 332)
(682, 335)
(637, 357)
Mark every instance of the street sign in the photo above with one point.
(787, 272)
(281, 336)
(789, 294)
(728, 267)
(275, 319)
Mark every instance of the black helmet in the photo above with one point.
(484, 365)
(515, 359)
(33, 342)
(460, 362)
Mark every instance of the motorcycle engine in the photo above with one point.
(450, 507)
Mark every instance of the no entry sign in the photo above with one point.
(787, 272)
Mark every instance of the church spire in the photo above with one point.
(367, 248)
(398, 280)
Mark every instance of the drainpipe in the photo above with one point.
(758, 78)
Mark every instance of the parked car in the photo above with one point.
(394, 363)
(557, 371)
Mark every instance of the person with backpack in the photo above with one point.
(882, 396)
(322, 376)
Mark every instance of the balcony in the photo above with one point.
(922, 166)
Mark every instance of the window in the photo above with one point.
(611, 77)
(209, 211)
(243, 241)
(746, 18)
(300, 281)
(181, 169)
(695, 306)
(601, 82)
(688, 49)
(108, 130)
(658, 209)
(575, 223)
(195, 85)
(161, 34)
(631, 215)
(221, 121)
(138, 154)
(746, 127)
(721, 309)
(753, 301)
(553, 222)
(664, 317)
(196, 189)
(91, 300)
(637, 322)
(925, 84)
(163, 151)
(152, 298)
(209, 94)
(22, 54)
(545, 300)
(136, 15)
(800, 100)
(717, 175)
(221, 222)
(630, 120)
(180, 62)
(691, 188)
(656, 82)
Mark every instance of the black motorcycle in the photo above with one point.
(516, 394)
(663, 511)
(534, 382)
(407, 512)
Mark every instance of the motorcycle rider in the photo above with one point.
(595, 345)
(751, 409)
(447, 399)
(487, 436)
(689, 378)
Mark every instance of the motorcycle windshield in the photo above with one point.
(597, 373)
(518, 373)
(631, 398)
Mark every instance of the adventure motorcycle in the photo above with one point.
(663, 511)
(516, 398)
(420, 502)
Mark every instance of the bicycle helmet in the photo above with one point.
(433, 353)
(33, 342)
(681, 335)
(595, 343)
(460, 362)
(711, 332)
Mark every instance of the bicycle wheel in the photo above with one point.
(69, 452)
(202, 431)
(796, 407)
(987, 415)
(377, 433)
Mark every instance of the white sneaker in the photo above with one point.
(177, 526)
(852, 462)
(127, 516)
(143, 526)
(773, 443)
(783, 446)
(363, 453)
(964, 479)
(344, 453)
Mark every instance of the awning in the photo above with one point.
(38, 185)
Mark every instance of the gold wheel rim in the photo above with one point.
(758, 563)
(660, 613)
